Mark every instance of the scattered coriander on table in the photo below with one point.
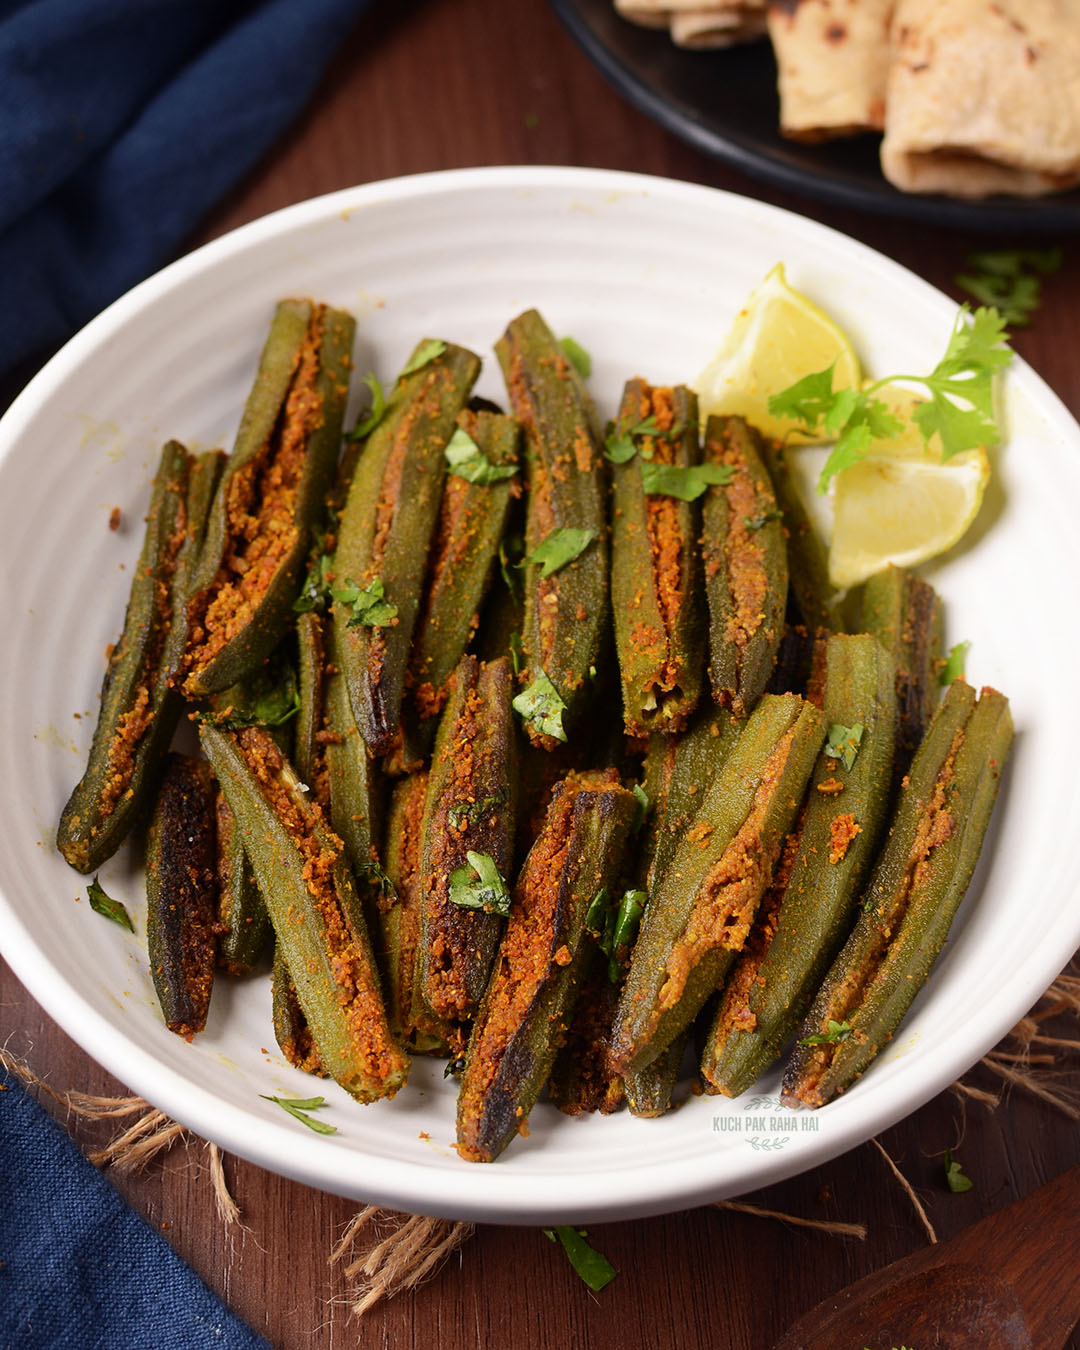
(954, 1176)
(593, 1266)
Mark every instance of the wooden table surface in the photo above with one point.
(449, 83)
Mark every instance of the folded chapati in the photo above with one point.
(722, 23)
(984, 97)
(832, 59)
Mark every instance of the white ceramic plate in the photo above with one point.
(647, 274)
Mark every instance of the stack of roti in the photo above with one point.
(974, 97)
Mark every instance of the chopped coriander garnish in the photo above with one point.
(959, 408)
(596, 914)
(578, 357)
(619, 448)
(642, 801)
(465, 459)
(843, 742)
(593, 1266)
(1010, 279)
(615, 926)
(422, 357)
(470, 812)
(299, 1107)
(367, 424)
(369, 604)
(558, 548)
(954, 1176)
(759, 522)
(104, 904)
(372, 872)
(517, 656)
(541, 708)
(954, 663)
(480, 885)
(687, 484)
(316, 590)
(268, 698)
(838, 1031)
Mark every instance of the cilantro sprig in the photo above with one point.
(542, 708)
(615, 926)
(593, 1266)
(955, 1179)
(480, 885)
(369, 604)
(298, 1108)
(958, 408)
(465, 459)
(558, 548)
(1010, 280)
(837, 1032)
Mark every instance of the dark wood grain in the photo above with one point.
(443, 84)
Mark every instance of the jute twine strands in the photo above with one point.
(404, 1250)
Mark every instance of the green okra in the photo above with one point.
(270, 497)
(139, 708)
(655, 567)
(914, 892)
(567, 612)
(772, 983)
(307, 746)
(181, 893)
(244, 931)
(814, 593)
(746, 566)
(648, 1090)
(472, 518)
(907, 617)
(793, 661)
(318, 919)
(470, 808)
(530, 1000)
(353, 778)
(386, 530)
(291, 1030)
(700, 913)
(411, 1020)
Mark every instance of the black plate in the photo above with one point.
(724, 103)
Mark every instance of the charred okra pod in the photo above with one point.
(181, 894)
(655, 572)
(386, 530)
(906, 615)
(814, 593)
(270, 497)
(318, 920)
(472, 517)
(916, 888)
(291, 1030)
(139, 709)
(566, 611)
(796, 938)
(746, 568)
(530, 1000)
(580, 1081)
(411, 1021)
(470, 811)
(701, 911)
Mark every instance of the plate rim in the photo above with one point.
(493, 1195)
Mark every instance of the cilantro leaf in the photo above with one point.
(558, 548)
(369, 604)
(316, 588)
(542, 708)
(479, 886)
(844, 742)
(105, 905)
(838, 1031)
(423, 356)
(299, 1108)
(624, 933)
(578, 357)
(954, 1176)
(954, 663)
(376, 409)
(759, 522)
(468, 813)
(1004, 279)
(669, 480)
(465, 459)
(869, 420)
(807, 400)
(268, 698)
(593, 1267)
(596, 914)
(643, 804)
(619, 447)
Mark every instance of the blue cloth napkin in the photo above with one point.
(121, 123)
(78, 1267)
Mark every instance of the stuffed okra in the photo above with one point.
(815, 595)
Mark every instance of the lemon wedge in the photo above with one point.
(777, 337)
(902, 504)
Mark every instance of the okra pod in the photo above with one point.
(386, 530)
(648, 1090)
(530, 999)
(907, 617)
(566, 612)
(291, 1030)
(243, 924)
(470, 809)
(318, 920)
(270, 497)
(139, 710)
(580, 1082)
(815, 594)
(746, 567)
(353, 776)
(701, 910)
(181, 894)
(308, 734)
(797, 937)
(472, 517)
(399, 907)
(655, 568)
(915, 890)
